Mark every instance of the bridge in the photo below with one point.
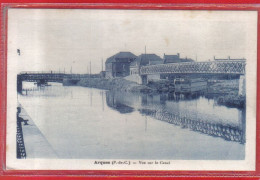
(195, 69)
(42, 77)
(209, 67)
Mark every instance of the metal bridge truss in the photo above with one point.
(210, 67)
(47, 76)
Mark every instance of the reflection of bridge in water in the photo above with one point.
(156, 107)
(227, 132)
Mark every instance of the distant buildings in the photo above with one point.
(127, 64)
(144, 60)
(124, 64)
(118, 65)
(175, 59)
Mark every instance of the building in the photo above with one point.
(118, 65)
(175, 59)
(144, 60)
(102, 74)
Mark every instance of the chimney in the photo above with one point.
(178, 54)
(214, 58)
(228, 57)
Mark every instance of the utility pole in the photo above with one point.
(102, 64)
(145, 53)
(90, 68)
(87, 72)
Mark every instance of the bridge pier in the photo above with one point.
(19, 84)
(242, 85)
(69, 82)
(41, 82)
(144, 79)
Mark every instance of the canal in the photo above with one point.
(88, 123)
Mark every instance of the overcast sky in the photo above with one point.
(61, 39)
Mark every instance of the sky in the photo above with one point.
(65, 39)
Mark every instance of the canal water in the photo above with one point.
(88, 123)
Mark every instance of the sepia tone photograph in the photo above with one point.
(131, 89)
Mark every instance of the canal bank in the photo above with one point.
(118, 84)
(36, 145)
(224, 91)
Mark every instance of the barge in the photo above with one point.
(190, 85)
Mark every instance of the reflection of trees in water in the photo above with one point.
(182, 96)
(162, 98)
(227, 132)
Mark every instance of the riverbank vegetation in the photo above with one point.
(226, 93)
(118, 84)
(223, 87)
(162, 86)
(232, 101)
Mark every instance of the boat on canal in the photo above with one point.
(189, 85)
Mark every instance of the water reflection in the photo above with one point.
(115, 103)
(172, 96)
(191, 111)
(82, 122)
(227, 132)
(188, 114)
(51, 90)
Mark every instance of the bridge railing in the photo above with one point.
(51, 75)
(42, 72)
(215, 67)
(56, 72)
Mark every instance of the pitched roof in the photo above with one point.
(120, 55)
(175, 59)
(145, 59)
(171, 59)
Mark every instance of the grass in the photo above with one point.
(226, 92)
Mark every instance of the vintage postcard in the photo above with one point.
(97, 89)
